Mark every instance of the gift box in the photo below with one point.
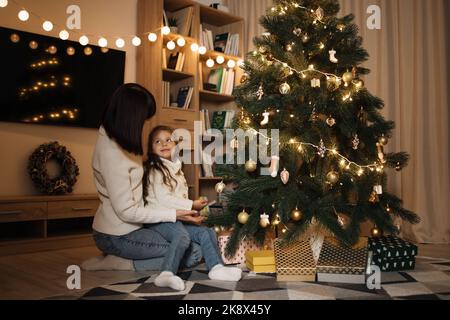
(239, 257)
(294, 262)
(261, 261)
(342, 264)
(393, 254)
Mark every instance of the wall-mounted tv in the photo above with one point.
(46, 80)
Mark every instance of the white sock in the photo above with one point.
(222, 273)
(167, 279)
(108, 263)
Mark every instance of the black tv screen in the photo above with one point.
(46, 80)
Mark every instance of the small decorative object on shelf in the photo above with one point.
(261, 261)
(340, 264)
(294, 262)
(37, 169)
(393, 254)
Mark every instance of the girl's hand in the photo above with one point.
(184, 213)
(195, 220)
(199, 204)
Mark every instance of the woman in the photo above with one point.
(119, 224)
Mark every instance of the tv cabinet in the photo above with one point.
(41, 223)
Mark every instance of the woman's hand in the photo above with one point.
(199, 204)
(195, 220)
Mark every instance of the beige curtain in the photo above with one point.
(410, 68)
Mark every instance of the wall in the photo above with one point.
(18, 141)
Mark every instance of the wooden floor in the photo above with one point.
(43, 275)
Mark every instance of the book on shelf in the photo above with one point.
(222, 119)
(222, 80)
(165, 19)
(176, 61)
(184, 97)
(220, 42)
(184, 19)
(207, 165)
(164, 59)
(166, 94)
(226, 43)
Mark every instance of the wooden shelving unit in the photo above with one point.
(41, 223)
(150, 72)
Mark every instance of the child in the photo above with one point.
(165, 186)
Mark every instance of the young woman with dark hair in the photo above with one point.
(119, 224)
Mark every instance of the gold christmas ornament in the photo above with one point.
(15, 38)
(217, 229)
(243, 217)
(376, 232)
(250, 166)
(347, 77)
(332, 177)
(70, 51)
(374, 197)
(284, 176)
(285, 88)
(220, 187)
(331, 121)
(52, 50)
(264, 222)
(296, 215)
(244, 78)
(383, 140)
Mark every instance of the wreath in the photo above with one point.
(37, 169)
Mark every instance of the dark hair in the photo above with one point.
(154, 162)
(130, 106)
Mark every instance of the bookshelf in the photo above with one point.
(152, 71)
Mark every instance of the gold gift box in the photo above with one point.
(295, 262)
(261, 261)
(341, 264)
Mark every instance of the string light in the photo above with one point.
(102, 42)
(194, 47)
(84, 40)
(23, 15)
(47, 26)
(210, 63)
(3, 3)
(202, 50)
(220, 59)
(231, 64)
(120, 43)
(64, 35)
(165, 31)
(181, 42)
(136, 41)
(171, 45)
(152, 37)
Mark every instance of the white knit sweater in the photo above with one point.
(118, 178)
(161, 196)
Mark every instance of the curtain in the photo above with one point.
(410, 68)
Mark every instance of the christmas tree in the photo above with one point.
(305, 79)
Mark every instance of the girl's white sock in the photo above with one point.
(108, 263)
(167, 279)
(222, 273)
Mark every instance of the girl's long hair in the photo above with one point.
(154, 162)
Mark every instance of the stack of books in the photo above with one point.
(222, 120)
(184, 97)
(226, 43)
(221, 80)
(175, 61)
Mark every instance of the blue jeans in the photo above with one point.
(146, 247)
(180, 237)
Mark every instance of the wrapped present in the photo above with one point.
(261, 261)
(341, 264)
(393, 254)
(295, 262)
(239, 257)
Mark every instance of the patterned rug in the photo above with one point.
(429, 281)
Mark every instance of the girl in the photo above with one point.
(165, 187)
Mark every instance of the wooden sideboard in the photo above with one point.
(40, 223)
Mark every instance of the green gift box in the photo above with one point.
(393, 254)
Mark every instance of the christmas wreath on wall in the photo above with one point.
(37, 169)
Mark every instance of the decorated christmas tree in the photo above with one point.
(305, 78)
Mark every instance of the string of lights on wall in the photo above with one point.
(120, 42)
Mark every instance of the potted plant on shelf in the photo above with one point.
(173, 25)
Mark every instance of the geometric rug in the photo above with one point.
(429, 281)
